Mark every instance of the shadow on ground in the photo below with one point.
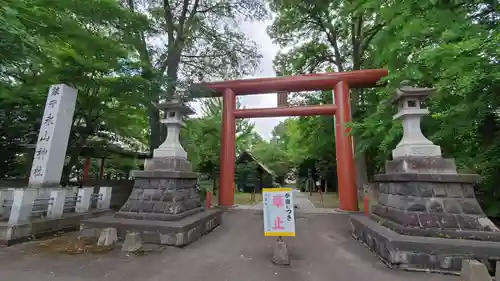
(236, 251)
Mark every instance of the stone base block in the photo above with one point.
(169, 164)
(157, 217)
(416, 150)
(422, 253)
(11, 234)
(423, 165)
(174, 233)
(162, 174)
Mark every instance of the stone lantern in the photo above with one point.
(423, 214)
(164, 206)
(173, 120)
(410, 112)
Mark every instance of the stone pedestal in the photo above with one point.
(164, 206)
(425, 214)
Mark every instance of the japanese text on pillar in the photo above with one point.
(46, 133)
(279, 219)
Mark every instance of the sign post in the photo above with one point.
(279, 217)
(279, 220)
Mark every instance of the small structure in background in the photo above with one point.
(164, 206)
(252, 175)
(426, 215)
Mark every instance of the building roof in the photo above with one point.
(264, 167)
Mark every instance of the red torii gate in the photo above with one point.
(341, 82)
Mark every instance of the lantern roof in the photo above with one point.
(175, 105)
(407, 91)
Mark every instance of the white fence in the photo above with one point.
(19, 205)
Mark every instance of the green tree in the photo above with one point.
(201, 137)
(324, 35)
(452, 46)
(79, 44)
(273, 157)
(193, 40)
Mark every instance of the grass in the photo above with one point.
(241, 199)
(330, 200)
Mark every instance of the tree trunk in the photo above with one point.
(73, 159)
(214, 187)
(173, 61)
(154, 126)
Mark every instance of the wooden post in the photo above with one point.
(227, 153)
(208, 200)
(348, 194)
(86, 168)
(101, 168)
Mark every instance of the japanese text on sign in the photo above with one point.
(46, 132)
(279, 219)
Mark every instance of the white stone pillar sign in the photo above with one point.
(48, 160)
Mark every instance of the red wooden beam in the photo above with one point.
(346, 169)
(86, 168)
(306, 82)
(327, 109)
(227, 150)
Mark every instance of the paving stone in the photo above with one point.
(452, 206)
(280, 253)
(470, 206)
(468, 222)
(132, 242)
(396, 201)
(133, 205)
(393, 188)
(425, 189)
(382, 199)
(429, 220)
(468, 191)
(447, 221)
(435, 205)
(108, 237)
(141, 183)
(439, 190)
(147, 207)
(415, 204)
(472, 270)
(403, 218)
(161, 207)
(454, 190)
(379, 210)
(403, 188)
(383, 187)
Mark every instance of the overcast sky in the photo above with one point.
(257, 32)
